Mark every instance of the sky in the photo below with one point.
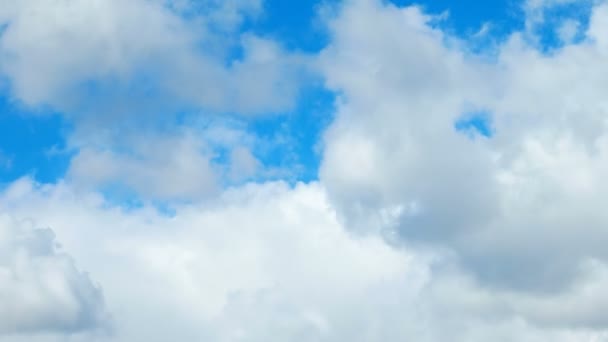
(314, 170)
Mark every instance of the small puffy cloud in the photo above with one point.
(153, 167)
(562, 18)
(243, 164)
(41, 290)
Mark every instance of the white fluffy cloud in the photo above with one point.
(140, 56)
(272, 262)
(118, 70)
(41, 290)
(166, 168)
(522, 209)
(260, 261)
(184, 164)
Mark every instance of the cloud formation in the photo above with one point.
(137, 57)
(121, 72)
(270, 261)
(415, 230)
(41, 290)
(519, 208)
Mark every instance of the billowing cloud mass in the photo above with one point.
(41, 290)
(460, 194)
(259, 262)
(520, 208)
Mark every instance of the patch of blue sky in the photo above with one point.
(294, 24)
(473, 124)
(483, 24)
(562, 24)
(469, 19)
(31, 143)
(118, 195)
(294, 138)
(287, 145)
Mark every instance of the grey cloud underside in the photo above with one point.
(41, 290)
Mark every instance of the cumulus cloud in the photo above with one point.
(269, 261)
(520, 208)
(259, 261)
(117, 70)
(140, 56)
(41, 290)
(184, 164)
(166, 168)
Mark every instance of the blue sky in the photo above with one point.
(334, 170)
(32, 143)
